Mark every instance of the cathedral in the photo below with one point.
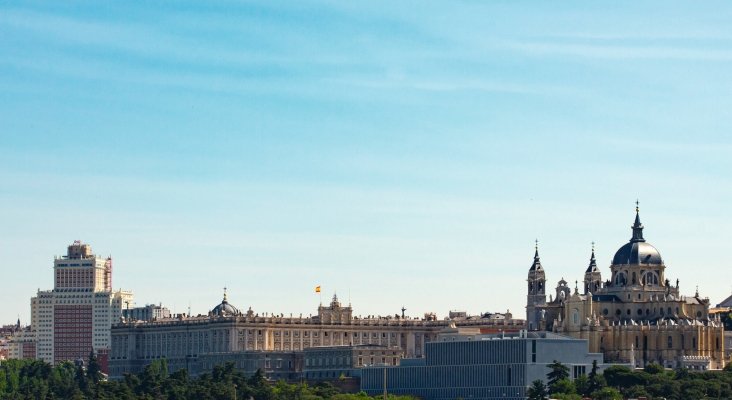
(637, 316)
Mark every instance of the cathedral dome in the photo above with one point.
(637, 251)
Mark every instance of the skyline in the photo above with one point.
(271, 148)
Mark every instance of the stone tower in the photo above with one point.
(593, 277)
(536, 297)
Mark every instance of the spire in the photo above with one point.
(593, 262)
(637, 226)
(536, 266)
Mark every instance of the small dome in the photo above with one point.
(637, 253)
(225, 309)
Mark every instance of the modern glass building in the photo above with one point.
(481, 366)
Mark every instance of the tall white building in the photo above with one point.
(77, 315)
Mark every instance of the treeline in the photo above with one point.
(618, 382)
(37, 380)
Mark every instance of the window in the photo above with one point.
(670, 342)
(650, 278)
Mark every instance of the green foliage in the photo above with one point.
(582, 385)
(558, 372)
(94, 370)
(32, 379)
(564, 386)
(607, 393)
(654, 369)
(566, 396)
(537, 390)
(595, 381)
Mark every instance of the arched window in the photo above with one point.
(650, 278)
(575, 316)
(621, 279)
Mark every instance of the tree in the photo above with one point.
(564, 386)
(635, 392)
(607, 393)
(653, 368)
(619, 376)
(94, 370)
(537, 390)
(81, 381)
(558, 372)
(595, 381)
(582, 385)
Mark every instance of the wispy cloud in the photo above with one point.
(612, 51)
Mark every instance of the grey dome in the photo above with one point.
(225, 308)
(637, 251)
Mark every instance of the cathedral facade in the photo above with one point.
(637, 316)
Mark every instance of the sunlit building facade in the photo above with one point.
(75, 317)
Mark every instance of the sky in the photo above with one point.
(395, 153)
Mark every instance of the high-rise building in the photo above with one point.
(76, 317)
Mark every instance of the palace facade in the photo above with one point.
(637, 316)
(184, 340)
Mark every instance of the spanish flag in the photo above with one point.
(317, 289)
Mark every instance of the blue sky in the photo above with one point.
(400, 154)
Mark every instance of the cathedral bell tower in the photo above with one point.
(536, 297)
(593, 277)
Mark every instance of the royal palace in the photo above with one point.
(277, 343)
